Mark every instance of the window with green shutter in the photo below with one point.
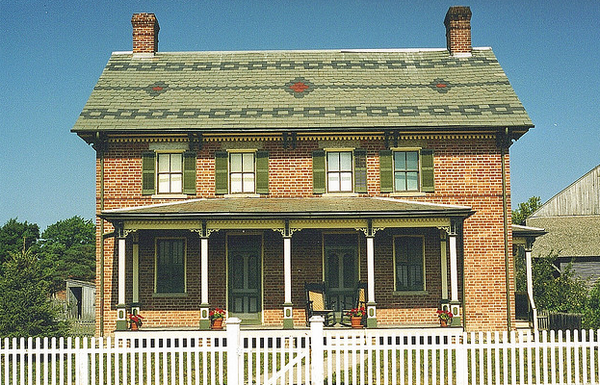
(406, 171)
(241, 172)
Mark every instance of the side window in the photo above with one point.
(170, 266)
(241, 172)
(409, 263)
(168, 173)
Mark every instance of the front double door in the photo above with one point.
(244, 270)
(341, 270)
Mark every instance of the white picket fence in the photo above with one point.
(312, 356)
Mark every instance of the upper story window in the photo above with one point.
(403, 171)
(339, 171)
(168, 173)
(406, 171)
(241, 173)
(409, 261)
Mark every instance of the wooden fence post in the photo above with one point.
(233, 352)
(316, 352)
(462, 360)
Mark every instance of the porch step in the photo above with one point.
(522, 325)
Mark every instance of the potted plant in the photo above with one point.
(445, 317)
(356, 315)
(135, 321)
(216, 318)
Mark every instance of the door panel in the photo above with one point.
(244, 256)
(341, 275)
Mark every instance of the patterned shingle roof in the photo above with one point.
(302, 90)
(323, 207)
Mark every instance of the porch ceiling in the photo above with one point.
(289, 208)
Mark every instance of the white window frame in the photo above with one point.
(169, 173)
(406, 170)
(242, 172)
(339, 172)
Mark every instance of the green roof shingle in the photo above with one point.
(302, 89)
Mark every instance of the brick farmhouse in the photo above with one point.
(231, 179)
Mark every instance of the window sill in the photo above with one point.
(408, 194)
(241, 195)
(341, 194)
(169, 196)
(169, 295)
(407, 293)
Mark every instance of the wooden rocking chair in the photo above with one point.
(316, 303)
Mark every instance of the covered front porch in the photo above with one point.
(252, 257)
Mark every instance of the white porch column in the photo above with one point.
(371, 305)
(135, 306)
(288, 319)
(529, 275)
(444, 266)
(204, 305)
(454, 302)
(121, 306)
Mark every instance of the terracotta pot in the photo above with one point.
(443, 323)
(356, 322)
(217, 324)
(134, 326)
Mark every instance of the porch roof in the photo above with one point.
(271, 208)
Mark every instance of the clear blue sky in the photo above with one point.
(52, 53)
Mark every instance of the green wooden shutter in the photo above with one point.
(221, 185)
(360, 170)
(427, 174)
(189, 173)
(386, 172)
(318, 172)
(262, 172)
(148, 169)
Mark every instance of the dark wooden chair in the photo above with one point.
(316, 303)
(360, 300)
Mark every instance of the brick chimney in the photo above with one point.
(145, 33)
(458, 31)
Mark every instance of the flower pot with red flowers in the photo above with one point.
(356, 316)
(135, 321)
(216, 318)
(445, 317)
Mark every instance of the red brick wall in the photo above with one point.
(467, 172)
